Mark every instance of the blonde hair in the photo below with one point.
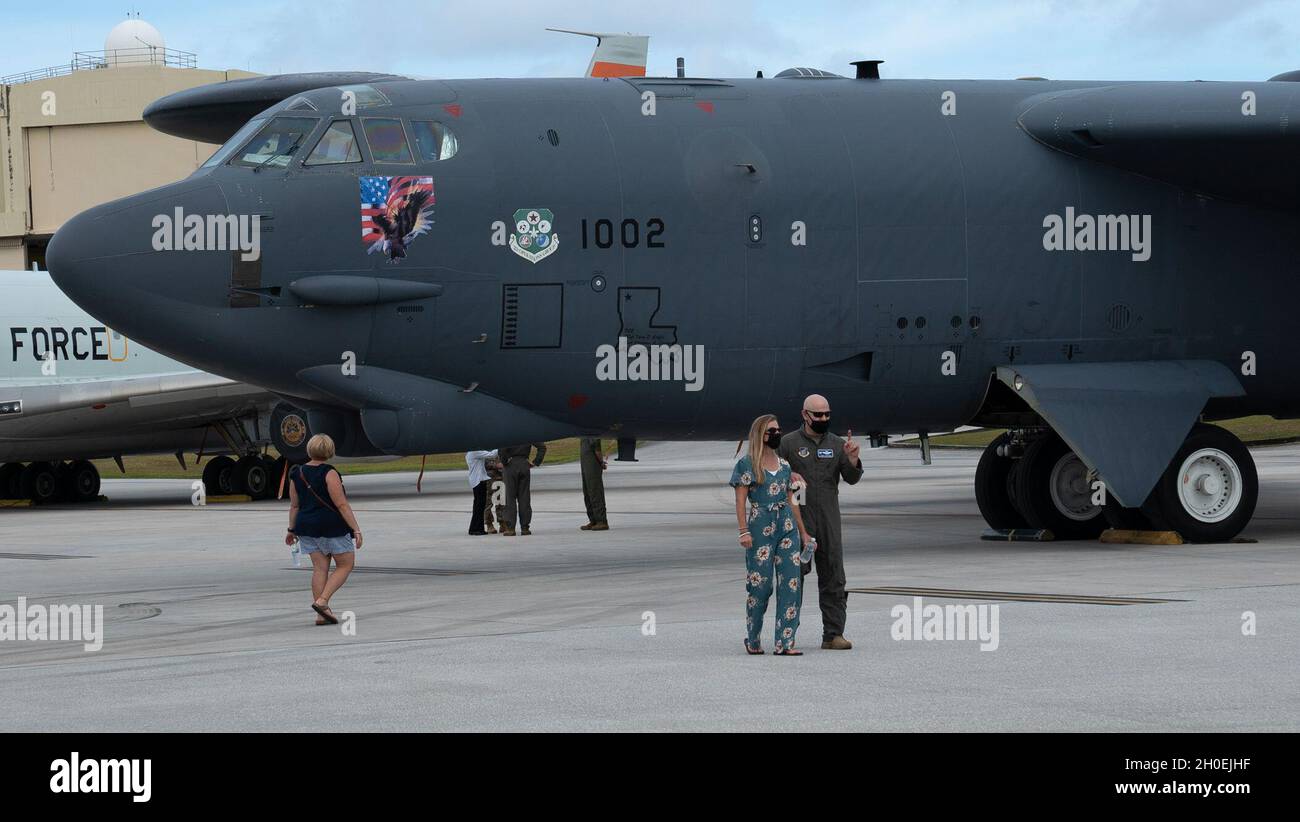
(320, 447)
(757, 433)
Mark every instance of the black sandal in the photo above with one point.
(325, 614)
(751, 651)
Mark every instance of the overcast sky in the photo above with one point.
(1059, 39)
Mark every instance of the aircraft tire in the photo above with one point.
(251, 476)
(1209, 491)
(11, 475)
(994, 489)
(40, 484)
(1052, 491)
(63, 476)
(82, 480)
(218, 477)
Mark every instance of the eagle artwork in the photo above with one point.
(394, 211)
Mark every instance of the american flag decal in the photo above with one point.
(394, 211)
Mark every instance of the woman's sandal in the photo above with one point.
(325, 614)
(787, 652)
(751, 651)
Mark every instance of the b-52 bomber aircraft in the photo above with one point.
(1098, 267)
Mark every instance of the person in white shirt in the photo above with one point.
(478, 481)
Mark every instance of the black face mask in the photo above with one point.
(819, 426)
(772, 439)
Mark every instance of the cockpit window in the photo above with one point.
(278, 140)
(337, 145)
(301, 104)
(240, 137)
(387, 140)
(434, 140)
(364, 96)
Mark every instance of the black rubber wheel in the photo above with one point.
(1068, 513)
(252, 477)
(1208, 492)
(39, 483)
(994, 491)
(11, 480)
(218, 477)
(63, 476)
(82, 482)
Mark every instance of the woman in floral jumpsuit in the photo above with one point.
(772, 533)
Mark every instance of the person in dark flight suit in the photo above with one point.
(823, 459)
(593, 484)
(519, 498)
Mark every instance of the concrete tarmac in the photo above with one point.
(208, 627)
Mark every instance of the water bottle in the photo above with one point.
(809, 547)
(296, 553)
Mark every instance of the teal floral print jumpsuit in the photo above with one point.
(774, 558)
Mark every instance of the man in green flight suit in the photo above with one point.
(823, 458)
(593, 484)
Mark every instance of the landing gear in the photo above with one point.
(252, 476)
(11, 480)
(1048, 487)
(45, 482)
(81, 481)
(219, 477)
(1208, 492)
(39, 483)
(995, 486)
(1054, 491)
(255, 475)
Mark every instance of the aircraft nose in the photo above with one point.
(68, 257)
(124, 260)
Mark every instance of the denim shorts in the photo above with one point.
(327, 545)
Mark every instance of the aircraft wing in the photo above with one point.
(35, 399)
(1233, 141)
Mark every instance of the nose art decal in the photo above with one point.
(394, 211)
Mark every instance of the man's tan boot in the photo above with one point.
(837, 643)
(525, 533)
(600, 526)
(586, 527)
(507, 531)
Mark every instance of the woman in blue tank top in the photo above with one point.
(322, 523)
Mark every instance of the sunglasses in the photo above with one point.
(819, 415)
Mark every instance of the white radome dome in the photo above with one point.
(134, 41)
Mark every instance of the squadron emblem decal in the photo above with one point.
(803, 451)
(394, 211)
(293, 430)
(534, 237)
